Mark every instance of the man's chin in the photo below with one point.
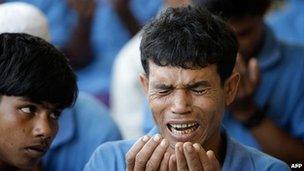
(28, 163)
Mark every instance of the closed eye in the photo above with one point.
(164, 91)
(200, 87)
(199, 91)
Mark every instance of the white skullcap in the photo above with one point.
(20, 17)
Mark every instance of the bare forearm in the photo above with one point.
(79, 48)
(278, 143)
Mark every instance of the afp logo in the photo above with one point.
(296, 165)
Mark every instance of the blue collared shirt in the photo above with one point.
(82, 129)
(111, 157)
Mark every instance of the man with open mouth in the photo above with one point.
(188, 56)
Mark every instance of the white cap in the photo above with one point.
(20, 17)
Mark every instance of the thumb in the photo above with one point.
(214, 161)
(254, 71)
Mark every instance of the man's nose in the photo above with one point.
(43, 127)
(181, 102)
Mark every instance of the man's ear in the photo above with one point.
(144, 81)
(231, 87)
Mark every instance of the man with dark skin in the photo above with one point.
(36, 84)
(270, 110)
(127, 63)
(188, 56)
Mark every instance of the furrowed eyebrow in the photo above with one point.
(199, 84)
(162, 86)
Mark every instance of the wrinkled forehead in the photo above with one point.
(179, 75)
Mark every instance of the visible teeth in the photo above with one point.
(192, 124)
(182, 132)
(178, 126)
(181, 129)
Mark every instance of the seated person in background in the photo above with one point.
(20, 17)
(91, 32)
(83, 127)
(188, 56)
(36, 84)
(268, 112)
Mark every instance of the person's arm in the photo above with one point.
(79, 48)
(122, 7)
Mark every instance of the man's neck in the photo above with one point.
(217, 144)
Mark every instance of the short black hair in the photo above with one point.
(189, 37)
(235, 8)
(31, 67)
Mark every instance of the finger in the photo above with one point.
(240, 65)
(254, 71)
(192, 158)
(241, 68)
(156, 158)
(202, 156)
(252, 77)
(180, 158)
(145, 153)
(131, 154)
(164, 166)
(172, 163)
(212, 158)
(241, 90)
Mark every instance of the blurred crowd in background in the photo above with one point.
(101, 39)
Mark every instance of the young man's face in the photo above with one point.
(249, 31)
(187, 104)
(27, 130)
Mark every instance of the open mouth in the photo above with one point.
(182, 128)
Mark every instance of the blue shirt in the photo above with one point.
(108, 35)
(82, 129)
(288, 23)
(281, 88)
(111, 157)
